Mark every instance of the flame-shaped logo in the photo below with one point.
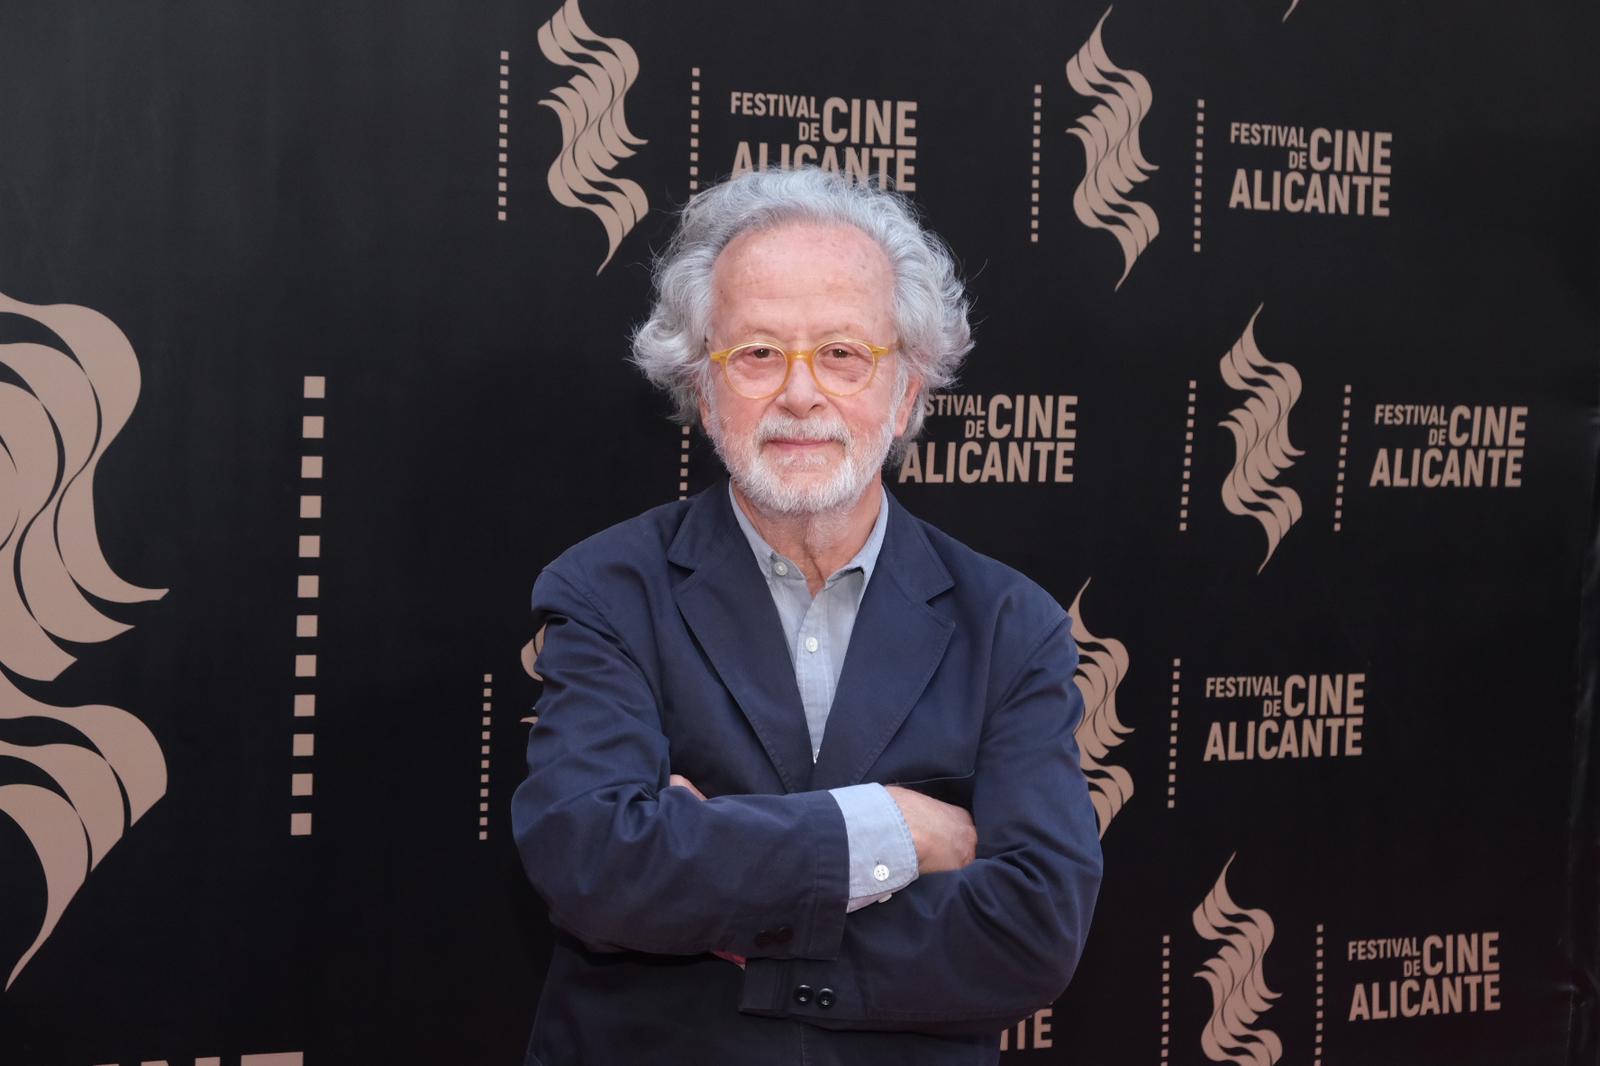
(1239, 992)
(1113, 162)
(1292, 5)
(594, 129)
(1261, 448)
(55, 426)
(1102, 664)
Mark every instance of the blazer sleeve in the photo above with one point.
(626, 862)
(974, 950)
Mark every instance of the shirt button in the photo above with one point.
(781, 569)
(881, 872)
(811, 644)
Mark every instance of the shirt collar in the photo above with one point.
(866, 559)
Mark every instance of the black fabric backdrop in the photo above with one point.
(255, 194)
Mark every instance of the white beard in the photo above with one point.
(772, 484)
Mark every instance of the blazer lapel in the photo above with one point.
(730, 611)
(896, 645)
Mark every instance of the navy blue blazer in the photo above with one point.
(664, 654)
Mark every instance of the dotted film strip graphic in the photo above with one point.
(1344, 449)
(683, 464)
(1316, 1056)
(1033, 183)
(1172, 737)
(483, 757)
(505, 112)
(1166, 995)
(694, 129)
(308, 548)
(1188, 459)
(1199, 163)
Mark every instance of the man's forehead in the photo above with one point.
(802, 265)
(795, 250)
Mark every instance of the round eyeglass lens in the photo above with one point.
(756, 370)
(843, 366)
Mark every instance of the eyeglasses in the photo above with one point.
(757, 370)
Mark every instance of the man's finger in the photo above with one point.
(684, 782)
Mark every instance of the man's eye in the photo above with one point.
(760, 354)
(839, 353)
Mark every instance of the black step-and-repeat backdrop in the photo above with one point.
(312, 328)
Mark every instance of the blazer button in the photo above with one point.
(824, 997)
(802, 994)
(764, 938)
(783, 935)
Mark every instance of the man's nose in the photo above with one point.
(800, 395)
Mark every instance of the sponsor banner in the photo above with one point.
(1447, 445)
(1422, 975)
(864, 138)
(1289, 167)
(1005, 438)
(1267, 717)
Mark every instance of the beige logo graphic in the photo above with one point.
(1261, 448)
(1292, 5)
(1239, 992)
(55, 426)
(1102, 664)
(1113, 161)
(594, 130)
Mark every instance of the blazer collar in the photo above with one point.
(897, 642)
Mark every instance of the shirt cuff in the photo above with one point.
(882, 858)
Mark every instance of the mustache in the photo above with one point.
(783, 427)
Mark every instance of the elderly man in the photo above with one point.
(803, 787)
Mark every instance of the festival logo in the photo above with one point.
(1315, 170)
(1261, 448)
(1102, 664)
(59, 412)
(594, 130)
(1239, 992)
(1428, 975)
(1470, 446)
(868, 140)
(972, 438)
(1286, 716)
(1113, 160)
(1292, 5)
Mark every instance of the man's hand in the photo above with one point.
(683, 782)
(942, 833)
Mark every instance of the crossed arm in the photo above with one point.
(990, 931)
(942, 833)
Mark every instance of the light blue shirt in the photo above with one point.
(817, 632)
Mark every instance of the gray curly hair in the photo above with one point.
(930, 303)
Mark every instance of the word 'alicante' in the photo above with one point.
(1303, 716)
(1003, 438)
(1325, 171)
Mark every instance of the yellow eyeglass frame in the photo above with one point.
(803, 355)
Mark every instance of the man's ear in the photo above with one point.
(908, 401)
(705, 414)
